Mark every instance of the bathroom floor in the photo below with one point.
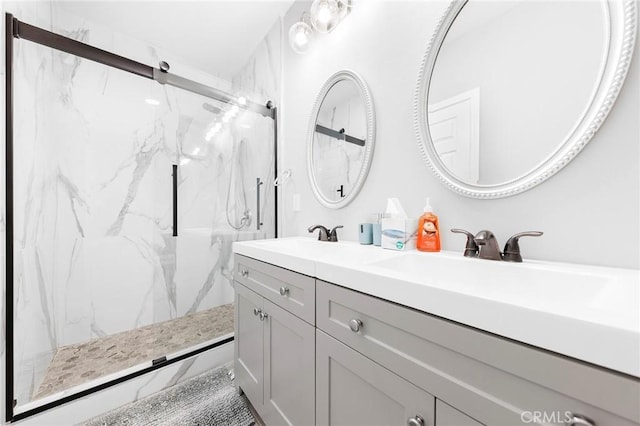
(208, 399)
(80, 363)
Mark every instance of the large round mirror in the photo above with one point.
(340, 139)
(509, 92)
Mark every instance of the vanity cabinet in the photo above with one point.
(275, 349)
(487, 379)
(312, 352)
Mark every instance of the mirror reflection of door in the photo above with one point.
(536, 85)
(338, 142)
(454, 125)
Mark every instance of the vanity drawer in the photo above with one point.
(491, 379)
(292, 291)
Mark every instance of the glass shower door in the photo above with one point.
(103, 285)
(225, 168)
(91, 217)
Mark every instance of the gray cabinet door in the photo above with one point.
(249, 359)
(352, 390)
(449, 416)
(289, 369)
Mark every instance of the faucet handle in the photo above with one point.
(471, 248)
(323, 234)
(511, 252)
(333, 235)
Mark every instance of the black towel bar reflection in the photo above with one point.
(339, 134)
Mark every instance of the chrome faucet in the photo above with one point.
(333, 235)
(512, 248)
(488, 245)
(471, 249)
(323, 234)
(484, 245)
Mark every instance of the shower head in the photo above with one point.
(211, 108)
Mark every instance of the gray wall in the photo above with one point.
(589, 212)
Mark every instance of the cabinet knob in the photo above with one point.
(579, 420)
(263, 316)
(244, 273)
(257, 311)
(355, 325)
(284, 291)
(415, 421)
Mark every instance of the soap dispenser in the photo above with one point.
(428, 230)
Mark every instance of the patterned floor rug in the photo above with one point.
(208, 399)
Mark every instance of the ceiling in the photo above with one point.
(217, 36)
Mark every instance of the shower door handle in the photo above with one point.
(174, 176)
(259, 219)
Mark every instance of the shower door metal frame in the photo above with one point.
(20, 30)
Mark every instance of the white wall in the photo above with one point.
(589, 212)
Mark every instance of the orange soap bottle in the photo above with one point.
(428, 230)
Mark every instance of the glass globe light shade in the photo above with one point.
(325, 15)
(300, 37)
(343, 9)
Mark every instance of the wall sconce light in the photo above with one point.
(324, 16)
(301, 34)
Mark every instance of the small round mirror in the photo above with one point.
(340, 139)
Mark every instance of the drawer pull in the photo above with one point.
(257, 311)
(284, 291)
(244, 273)
(579, 420)
(263, 316)
(355, 325)
(415, 421)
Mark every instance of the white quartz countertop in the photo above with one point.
(585, 312)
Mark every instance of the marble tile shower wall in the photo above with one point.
(94, 253)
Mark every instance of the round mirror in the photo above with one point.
(340, 139)
(509, 92)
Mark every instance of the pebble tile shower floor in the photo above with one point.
(80, 363)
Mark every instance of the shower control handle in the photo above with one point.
(263, 316)
(284, 291)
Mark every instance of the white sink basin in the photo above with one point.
(532, 282)
(298, 254)
(586, 312)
